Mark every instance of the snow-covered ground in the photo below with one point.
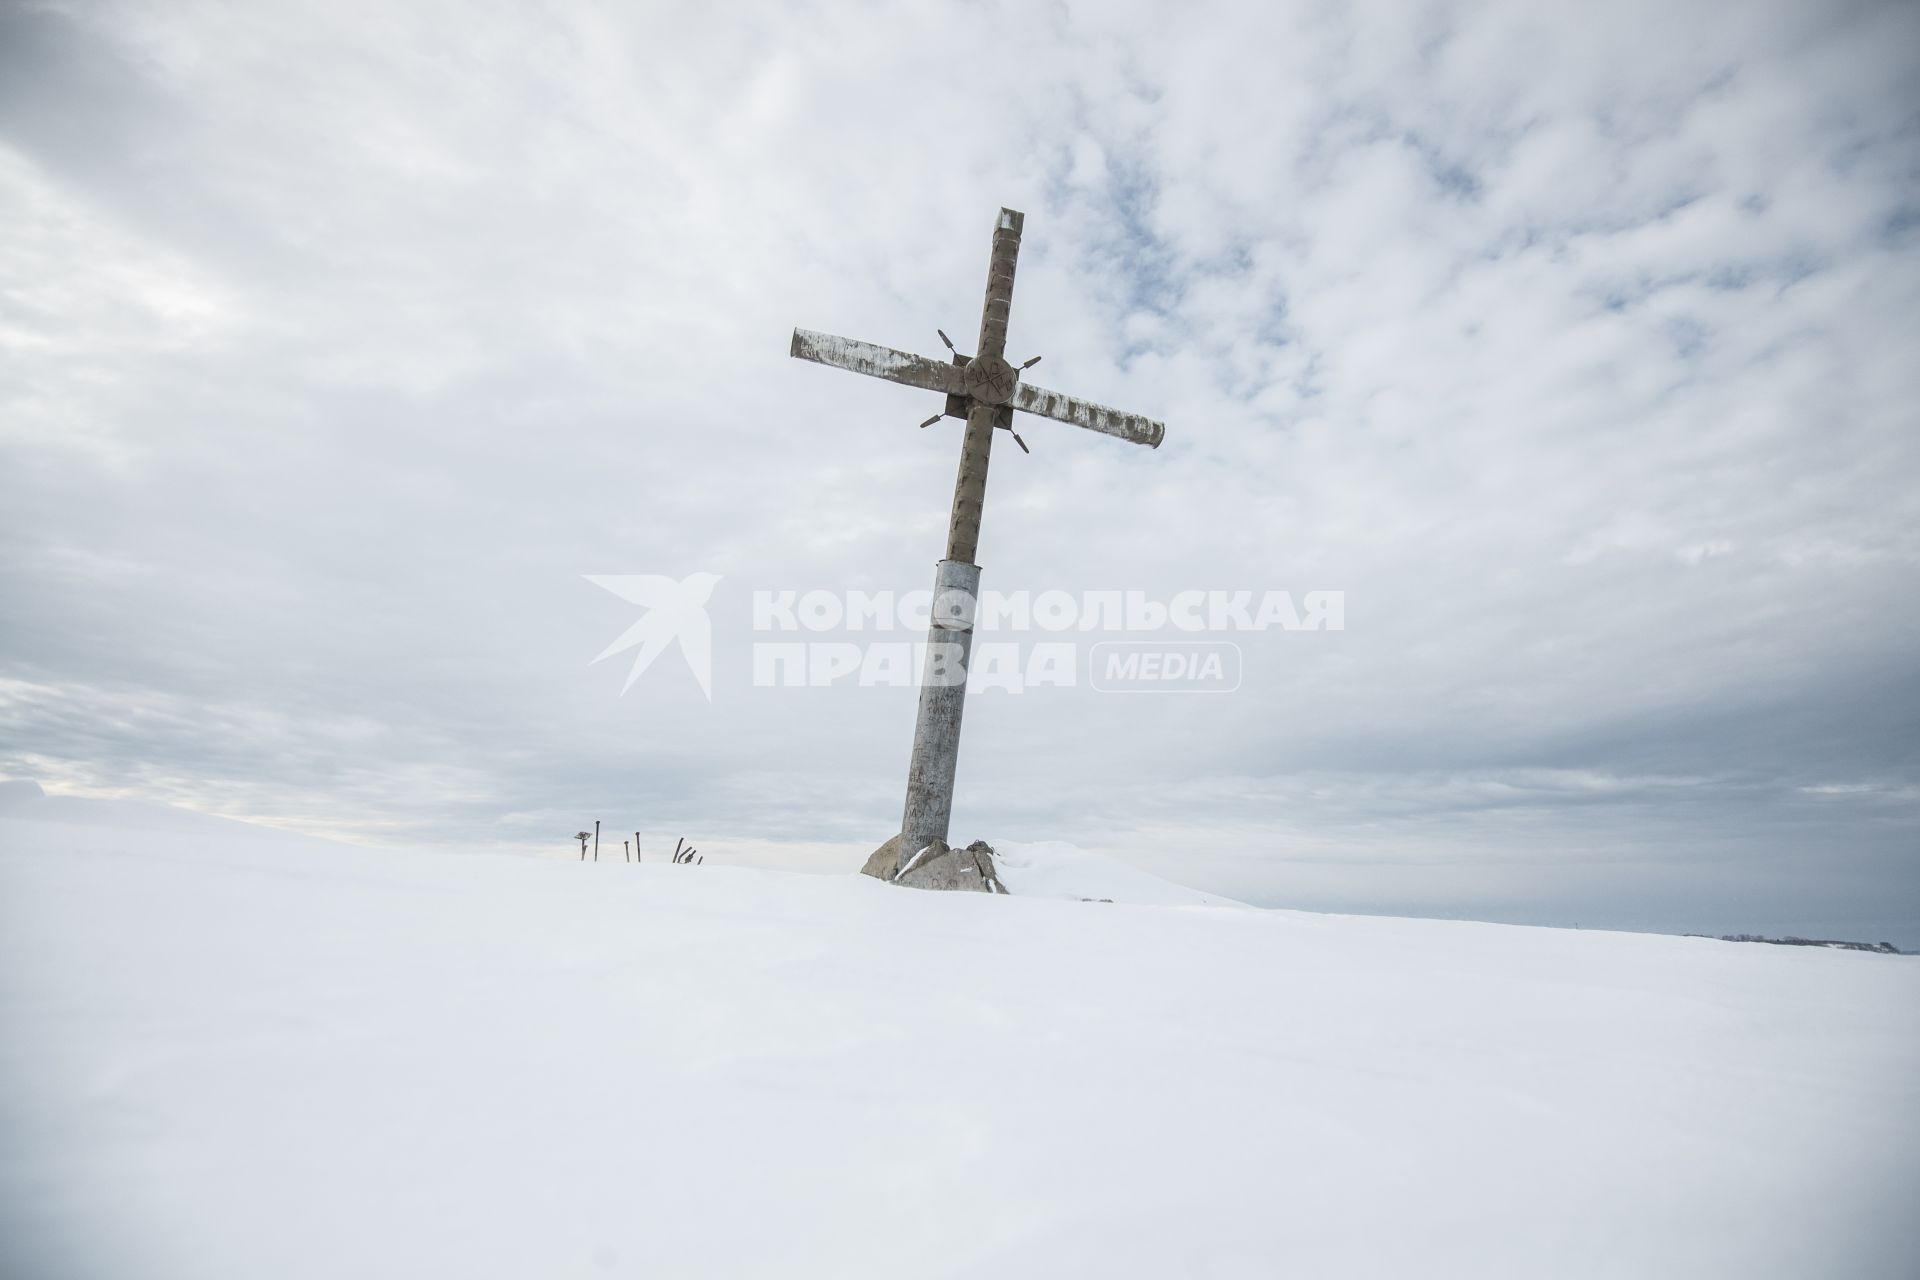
(1053, 869)
(233, 1052)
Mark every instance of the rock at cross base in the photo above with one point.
(938, 866)
(883, 863)
(989, 874)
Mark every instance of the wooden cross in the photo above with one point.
(984, 390)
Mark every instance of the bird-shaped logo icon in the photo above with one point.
(674, 611)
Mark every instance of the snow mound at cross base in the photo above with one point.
(1056, 869)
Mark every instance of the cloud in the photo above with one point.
(339, 342)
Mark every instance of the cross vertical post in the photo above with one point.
(956, 581)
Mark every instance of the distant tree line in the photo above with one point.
(1882, 948)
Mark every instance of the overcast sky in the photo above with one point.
(1575, 344)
